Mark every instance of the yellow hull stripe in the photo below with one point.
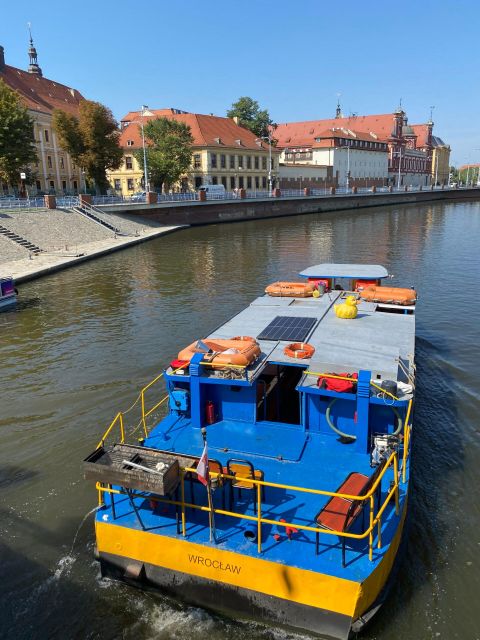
(302, 586)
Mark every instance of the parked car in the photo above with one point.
(138, 196)
(214, 189)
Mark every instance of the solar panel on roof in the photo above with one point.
(292, 328)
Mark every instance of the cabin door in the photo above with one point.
(277, 397)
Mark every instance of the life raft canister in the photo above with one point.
(299, 350)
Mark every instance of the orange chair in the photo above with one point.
(244, 473)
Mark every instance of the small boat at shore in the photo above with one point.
(276, 485)
(8, 293)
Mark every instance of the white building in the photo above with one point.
(346, 156)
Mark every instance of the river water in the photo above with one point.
(82, 342)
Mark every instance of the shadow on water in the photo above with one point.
(437, 451)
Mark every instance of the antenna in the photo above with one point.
(29, 25)
(431, 112)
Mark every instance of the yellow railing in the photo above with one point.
(119, 419)
(375, 520)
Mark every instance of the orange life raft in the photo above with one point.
(299, 350)
(224, 352)
(291, 289)
(390, 295)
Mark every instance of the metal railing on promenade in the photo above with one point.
(193, 196)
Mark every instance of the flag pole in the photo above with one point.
(211, 517)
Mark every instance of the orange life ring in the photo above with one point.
(291, 289)
(300, 350)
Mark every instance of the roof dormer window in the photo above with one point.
(218, 140)
(129, 143)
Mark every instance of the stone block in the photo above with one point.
(151, 197)
(85, 198)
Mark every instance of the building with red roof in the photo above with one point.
(55, 170)
(372, 148)
(223, 152)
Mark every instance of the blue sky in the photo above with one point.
(293, 57)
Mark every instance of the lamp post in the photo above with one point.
(348, 166)
(145, 170)
(399, 179)
(269, 139)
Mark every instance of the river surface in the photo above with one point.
(82, 342)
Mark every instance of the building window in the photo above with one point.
(232, 162)
(129, 162)
(130, 184)
(249, 162)
(240, 162)
(117, 184)
(62, 163)
(214, 180)
(49, 162)
(264, 163)
(249, 182)
(232, 182)
(64, 185)
(257, 182)
(38, 185)
(224, 181)
(197, 161)
(75, 185)
(264, 182)
(198, 182)
(46, 135)
(240, 182)
(256, 163)
(223, 161)
(52, 185)
(213, 159)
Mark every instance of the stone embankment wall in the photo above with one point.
(215, 211)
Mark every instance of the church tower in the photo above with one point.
(32, 53)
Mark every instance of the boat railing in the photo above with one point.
(374, 522)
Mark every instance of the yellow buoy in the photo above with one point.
(347, 309)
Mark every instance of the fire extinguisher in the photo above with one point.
(210, 412)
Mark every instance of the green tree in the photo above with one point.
(17, 142)
(251, 116)
(169, 151)
(92, 140)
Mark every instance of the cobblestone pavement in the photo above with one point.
(11, 251)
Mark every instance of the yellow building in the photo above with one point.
(55, 171)
(440, 161)
(223, 153)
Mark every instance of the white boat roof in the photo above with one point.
(332, 270)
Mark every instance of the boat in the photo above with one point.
(275, 489)
(8, 293)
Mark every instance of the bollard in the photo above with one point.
(50, 202)
(202, 196)
(151, 197)
(242, 193)
(332, 191)
(354, 190)
(390, 189)
(277, 193)
(374, 189)
(306, 191)
(85, 198)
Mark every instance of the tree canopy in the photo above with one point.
(251, 116)
(92, 140)
(17, 141)
(169, 151)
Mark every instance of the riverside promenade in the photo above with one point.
(65, 238)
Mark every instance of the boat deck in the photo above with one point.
(288, 456)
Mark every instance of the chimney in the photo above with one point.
(2, 58)
(236, 119)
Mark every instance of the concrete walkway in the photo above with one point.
(46, 263)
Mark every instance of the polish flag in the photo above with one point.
(202, 467)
